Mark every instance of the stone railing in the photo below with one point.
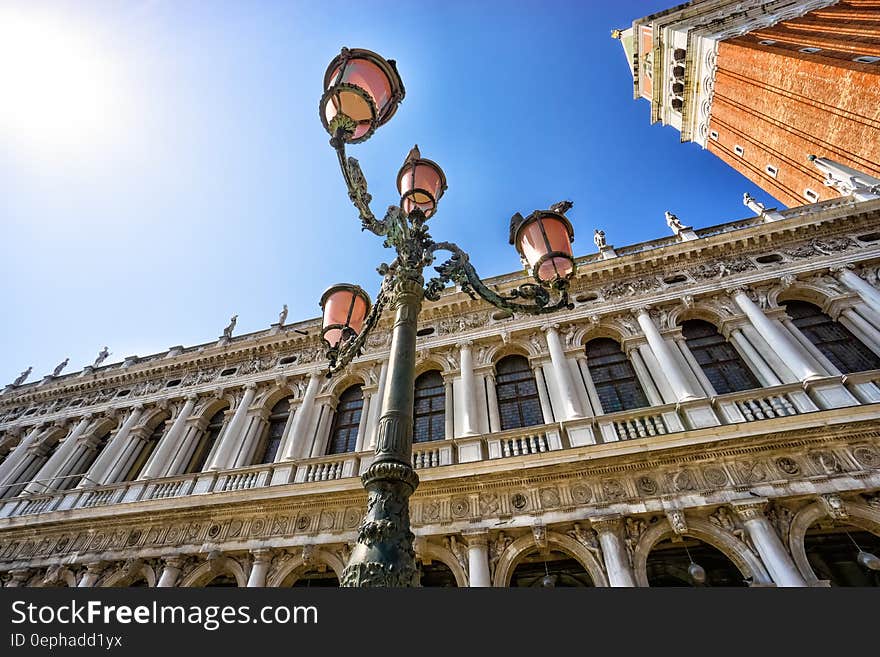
(638, 423)
(433, 454)
(326, 468)
(764, 404)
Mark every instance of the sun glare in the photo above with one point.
(56, 86)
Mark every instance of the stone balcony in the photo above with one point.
(730, 416)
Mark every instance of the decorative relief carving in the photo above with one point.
(460, 507)
(588, 537)
(724, 520)
(722, 268)
(826, 462)
(715, 476)
(489, 504)
(539, 533)
(835, 506)
(612, 489)
(633, 530)
(549, 497)
(867, 456)
(497, 549)
(646, 485)
(788, 465)
(630, 288)
(677, 521)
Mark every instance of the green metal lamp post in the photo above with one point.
(361, 93)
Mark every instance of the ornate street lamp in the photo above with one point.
(362, 91)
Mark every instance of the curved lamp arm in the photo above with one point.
(351, 345)
(458, 269)
(356, 183)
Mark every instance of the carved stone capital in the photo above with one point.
(262, 555)
(174, 561)
(96, 567)
(462, 344)
(611, 524)
(750, 509)
(477, 538)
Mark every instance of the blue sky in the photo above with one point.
(179, 173)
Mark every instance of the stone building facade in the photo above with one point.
(712, 397)
(763, 85)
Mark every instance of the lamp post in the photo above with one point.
(361, 93)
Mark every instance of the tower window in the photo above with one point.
(810, 50)
(714, 135)
(767, 42)
(866, 59)
(810, 195)
(771, 170)
(739, 150)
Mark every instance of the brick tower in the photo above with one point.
(763, 85)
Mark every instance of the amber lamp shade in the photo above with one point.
(544, 241)
(365, 88)
(345, 309)
(421, 183)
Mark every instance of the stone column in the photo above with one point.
(592, 393)
(776, 558)
(655, 378)
(856, 283)
(774, 336)
(571, 403)
(610, 531)
(364, 421)
(170, 572)
(765, 374)
(449, 407)
(322, 430)
(469, 423)
(492, 401)
(665, 357)
(543, 397)
(52, 468)
(18, 454)
(297, 446)
(859, 326)
(103, 465)
(644, 376)
(708, 388)
(259, 570)
(478, 559)
(233, 434)
(158, 464)
(809, 347)
(92, 575)
(138, 440)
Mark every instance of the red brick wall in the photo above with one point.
(782, 105)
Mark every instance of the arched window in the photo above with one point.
(835, 341)
(277, 423)
(614, 377)
(518, 402)
(429, 408)
(206, 443)
(145, 451)
(343, 435)
(721, 363)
